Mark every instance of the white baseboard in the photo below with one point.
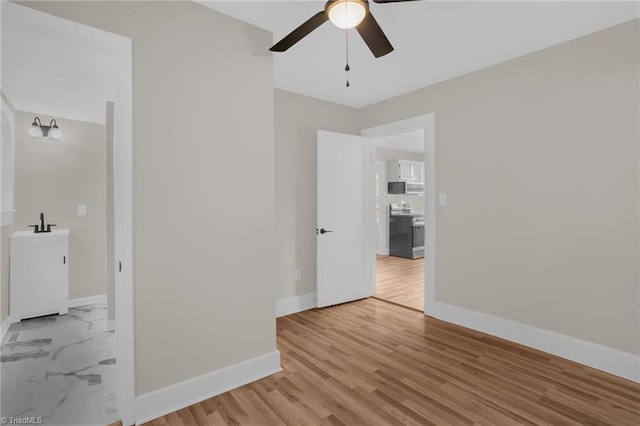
(110, 325)
(91, 300)
(5, 327)
(601, 357)
(173, 398)
(292, 305)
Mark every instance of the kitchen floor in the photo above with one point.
(400, 281)
(60, 368)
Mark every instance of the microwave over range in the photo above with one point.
(401, 187)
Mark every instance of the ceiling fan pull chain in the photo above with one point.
(347, 68)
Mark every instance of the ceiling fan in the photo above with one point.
(344, 14)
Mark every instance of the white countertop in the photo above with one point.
(30, 233)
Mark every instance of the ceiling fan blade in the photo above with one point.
(299, 33)
(373, 35)
(392, 1)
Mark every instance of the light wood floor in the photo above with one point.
(373, 363)
(400, 281)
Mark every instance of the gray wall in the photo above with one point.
(53, 178)
(297, 118)
(203, 123)
(539, 157)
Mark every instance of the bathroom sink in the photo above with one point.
(25, 243)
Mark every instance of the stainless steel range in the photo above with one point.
(406, 232)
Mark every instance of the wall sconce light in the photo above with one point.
(38, 131)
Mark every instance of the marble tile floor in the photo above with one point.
(60, 368)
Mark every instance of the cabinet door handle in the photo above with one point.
(119, 266)
(64, 260)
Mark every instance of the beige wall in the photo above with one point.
(54, 178)
(203, 125)
(297, 118)
(539, 157)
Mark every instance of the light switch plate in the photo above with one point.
(443, 199)
(82, 209)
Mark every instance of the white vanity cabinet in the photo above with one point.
(38, 274)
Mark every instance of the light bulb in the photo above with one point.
(55, 133)
(347, 14)
(34, 131)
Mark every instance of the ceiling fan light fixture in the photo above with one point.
(347, 14)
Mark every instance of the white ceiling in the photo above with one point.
(61, 76)
(53, 74)
(412, 141)
(434, 41)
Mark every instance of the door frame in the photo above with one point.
(427, 123)
(382, 246)
(120, 49)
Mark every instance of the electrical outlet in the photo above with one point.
(82, 209)
(298, 274)
(443, 199)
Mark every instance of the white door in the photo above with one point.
(345, 225)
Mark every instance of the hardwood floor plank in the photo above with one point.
(229, 416)
(423, 404)
(400, 281)
(215, 419)
(373, 363)
(266, 412)
(187, 418)
(331, 420)
(398, 410)
(198, 414)
(172, 419)
(592, 413)
(252, 412)
(471, 407)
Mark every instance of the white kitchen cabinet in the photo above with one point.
(405, 170)
(420, 171)
(39, 274)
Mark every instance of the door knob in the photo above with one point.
(324, 231)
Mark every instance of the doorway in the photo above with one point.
(400, 218)
(117, 49)
(405, 219)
